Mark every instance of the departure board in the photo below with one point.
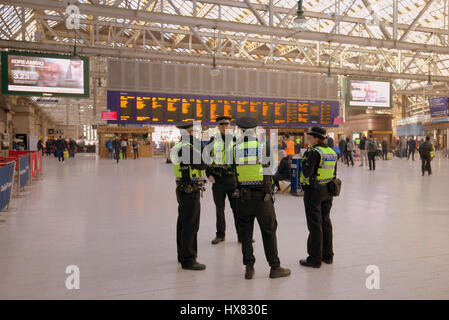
(216, 109)
(303, 112)
(188, 109)
(159, 108)
(127, 107)
(229, 108)
(279, 112)
(143, 108)
(292, 112)
(242, 108)
(314, 113)
(325, 113)
(255, 109)
(202, 109)
(159, 105)
(267, 112)
(174, 109)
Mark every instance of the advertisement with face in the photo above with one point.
(41, 74)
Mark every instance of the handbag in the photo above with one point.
(334, 187)
(66, 154)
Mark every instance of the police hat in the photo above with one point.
(186, 125)
(318, 132)
(223, 120)
(247, 122)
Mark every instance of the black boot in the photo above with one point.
(279, 272)
(307, 263)
(328, 260)
(194, 266)
(217, 240)
(249, 273)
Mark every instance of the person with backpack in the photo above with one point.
(363, 152)
(342, 147)
(110, 150)
(116, 145)
(427, 153)
(411, 148)
(350, 147)
(371, 147)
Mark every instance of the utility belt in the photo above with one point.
(221, 171)
(246, 194)
(190, 188)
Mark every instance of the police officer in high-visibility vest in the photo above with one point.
(190, 178)
(318, 168)
(255, 199)
(221, 174)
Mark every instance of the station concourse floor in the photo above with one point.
(117, 223)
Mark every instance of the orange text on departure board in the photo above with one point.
(157, 107)
(279, 109)
(141, 103)
(124, 100)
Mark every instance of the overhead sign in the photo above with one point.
(438, 107)
(44, 74)
(368, 93)
(159, 108)
(108, 115)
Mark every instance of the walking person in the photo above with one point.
(342, 147)
(402, 147)
(427, 153)
(72, 147)
(411, 148)
(61, 146)
(372, 149)
(190, 179)
(40, 146)
(117, 148)
(319, 167)
(288, 145)
(124, 145)
(384, 149)
(221, 174)
(255, 199)
(110, 150)
(363, 152)
(135, 146)
(350, 147)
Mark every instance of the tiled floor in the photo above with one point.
(117, 224)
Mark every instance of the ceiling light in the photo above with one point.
(300, 22)
(429, 85)
(214, 72)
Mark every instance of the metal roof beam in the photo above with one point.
(415, 21)
(205, 59)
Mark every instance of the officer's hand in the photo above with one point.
(211, 179)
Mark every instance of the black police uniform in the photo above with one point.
(318, 204)
(257, 202)
(188, 196)
(223, 187)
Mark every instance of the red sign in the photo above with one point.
(108, 115)
(339, 121)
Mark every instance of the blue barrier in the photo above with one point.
(295, 174)
(24, 170)
(6, 179)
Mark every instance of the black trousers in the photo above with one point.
(187, 226)
(384, 154)
(222, 188)
(372, 160)
(280, 177)
(348, 156)
(124, 153)
(318, 204)
(426, 165)
(117, 155)
(411, 152)
(136, 153)
(256, 208)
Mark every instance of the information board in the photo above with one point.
(127, 108)
(158, 108)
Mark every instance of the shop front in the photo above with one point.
(141, 135)
(438, 130)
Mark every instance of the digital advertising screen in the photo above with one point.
(368, 93)
(43, 74)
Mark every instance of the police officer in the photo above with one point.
(220, 173)
(318, 168)
(255, 199)
(190, 178)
